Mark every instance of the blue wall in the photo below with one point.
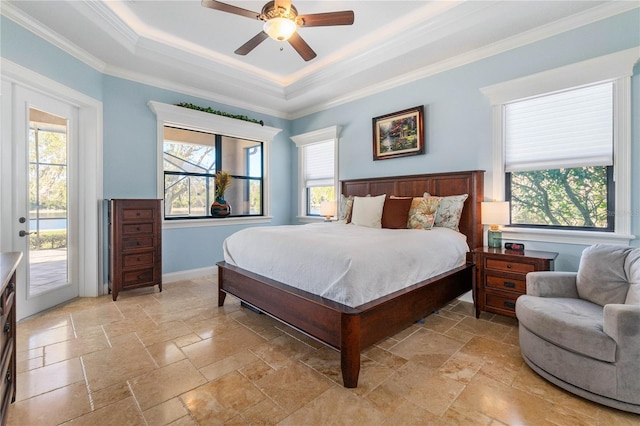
(458, 126)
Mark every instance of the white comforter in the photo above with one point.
(348, 264)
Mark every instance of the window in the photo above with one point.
(192, 147)
(317, 164)
(566, 168)
(191, 160)
(559, 159)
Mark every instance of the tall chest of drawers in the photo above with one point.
(135, 244)
(501, 277)
(8, 265)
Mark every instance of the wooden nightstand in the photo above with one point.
(501, 277)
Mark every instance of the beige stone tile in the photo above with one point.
(563, 416)
(51, 408)
(29, 364)
(45, 321)
(424, 346)
(459, 335)
(465, 417)
(336, 406)
(610, 416)
(480, 327)
(410, 414)
(26, 340)
(222, 399)
(165, 353)
(74, 348)
(221, 346)
(123, 412)
(281, 351)
(117, 364)
(501, 361)
(439, 323)
(30, 353)
(164, 383)
(166, 412)
(256, 370)
(187, 339)
(163, 332)
(384, 357)
(110, 395)
(35, 382)
(209, 327)
(326, 362)
(307, 384)
(127, 326)
(504, 403)
(461, 367)
(424, 387)
(184, 421)
(227, 365)
(265, 412)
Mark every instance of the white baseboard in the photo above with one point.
(188, 274)
(467, 297)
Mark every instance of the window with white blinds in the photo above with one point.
(319, 164)
(573, 128)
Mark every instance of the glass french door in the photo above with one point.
(45, 207)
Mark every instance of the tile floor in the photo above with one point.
(176, 358)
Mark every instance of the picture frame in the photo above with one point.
(399, 134)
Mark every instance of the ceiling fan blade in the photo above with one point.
(301, 47)
(251, 44)
(223, 7)
(345, 17)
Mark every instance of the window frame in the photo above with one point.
(617, 68)
(302, 140)
(185, 118)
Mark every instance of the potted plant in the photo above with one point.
(220, 207)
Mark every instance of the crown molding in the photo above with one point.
(36, 27)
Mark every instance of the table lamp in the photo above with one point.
(328, 210)
(495, 213)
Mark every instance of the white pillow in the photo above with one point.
(367, 211)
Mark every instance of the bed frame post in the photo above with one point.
(221, 294)
(350, 350)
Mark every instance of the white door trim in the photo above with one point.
(90, 220)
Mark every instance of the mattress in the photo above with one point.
(346, 263)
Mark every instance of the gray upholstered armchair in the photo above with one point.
(581, 330)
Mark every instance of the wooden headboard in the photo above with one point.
(441, 184)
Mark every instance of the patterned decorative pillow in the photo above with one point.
(422, 214)
(346, 206)
(450, 211)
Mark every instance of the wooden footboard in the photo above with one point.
(346, 329)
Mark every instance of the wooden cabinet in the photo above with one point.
(135, 244)
(8, 264)
(501, 277)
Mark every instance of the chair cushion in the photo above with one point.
(573, 324)
(601, 276)
(632, 269)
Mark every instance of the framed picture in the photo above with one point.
(399, 134)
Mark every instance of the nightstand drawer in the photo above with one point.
(501, 301)
(139, 259)
(137, 229)
(502, 265)
(139, 277)
(505, 283)
(137, 214)
(133, 244)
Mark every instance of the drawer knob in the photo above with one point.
(509, 304)
(509, 284)
(7, 327)
(137, 213)
(508, 266)
(137, 228)
(7, 377)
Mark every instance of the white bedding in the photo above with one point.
(345, 263)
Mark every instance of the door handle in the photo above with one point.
(24, 233)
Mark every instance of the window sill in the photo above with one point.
(311, 219)
(565, 237)
(200, 223)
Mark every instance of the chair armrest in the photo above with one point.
(622, 324)
(552, 284)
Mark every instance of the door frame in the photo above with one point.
(90, 163)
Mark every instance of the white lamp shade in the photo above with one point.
(279, 28)
(495, 213)
(328, 208)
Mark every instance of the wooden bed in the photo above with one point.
(347, 329)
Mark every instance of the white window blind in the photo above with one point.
(573, 128)
(319, 164)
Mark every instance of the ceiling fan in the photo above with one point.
(281, 20)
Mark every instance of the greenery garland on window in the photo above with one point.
(222, 113)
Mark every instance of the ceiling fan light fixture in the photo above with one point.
(279, 28)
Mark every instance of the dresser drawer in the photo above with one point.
(139, 259)
(501, 265)
(501, 301)
(139, 277)
(137, 214)
(6, 374)
(137, 229)
(506, 283)
(138, 243)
